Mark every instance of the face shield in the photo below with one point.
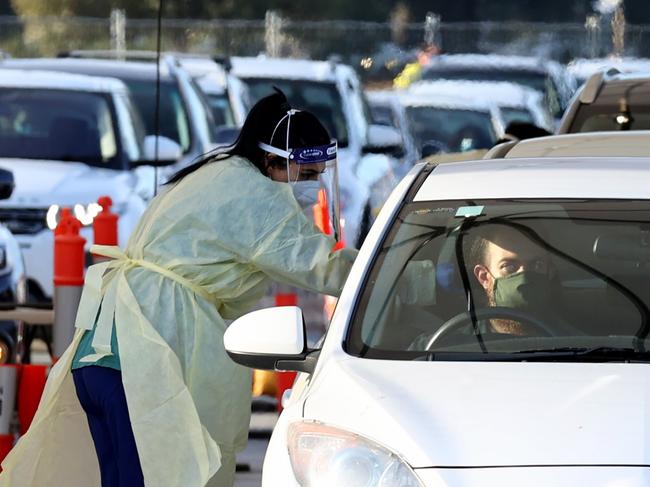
(313, 176)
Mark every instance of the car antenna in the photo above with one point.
(157, 112)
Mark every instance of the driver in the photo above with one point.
(515, 272)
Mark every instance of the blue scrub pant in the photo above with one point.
(101, 395)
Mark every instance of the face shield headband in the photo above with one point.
(303, 155)
(320, 154)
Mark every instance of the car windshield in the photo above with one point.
(509, 280)
(321, 99)
(173, 117)
(458, 130)
(57, 125)
(537, 80)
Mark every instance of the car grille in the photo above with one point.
(24, 221)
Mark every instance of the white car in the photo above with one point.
(516, 103)
(451, 123)
(69, 139)
(332, 91)
(546, 76)
(184, 115)
(422, 382)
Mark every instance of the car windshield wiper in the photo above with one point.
(562, 354)
(589, 354)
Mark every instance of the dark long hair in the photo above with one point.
(259, 126)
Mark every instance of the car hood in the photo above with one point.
(458, 414)
(40, 183)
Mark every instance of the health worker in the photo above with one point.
(146, 394)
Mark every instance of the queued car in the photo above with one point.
(494, 331)
(548, 77)
(445, 123)
(516, 103)
(69, 139)
(332, 91)
(183, 116)
(609, 101)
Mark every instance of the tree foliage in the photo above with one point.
(85, 8)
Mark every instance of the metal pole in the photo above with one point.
(272, 33)
(431, 28)
(592, 27)
(118, 32)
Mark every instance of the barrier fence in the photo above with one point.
(383, 42)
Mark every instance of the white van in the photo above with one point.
(69, 139)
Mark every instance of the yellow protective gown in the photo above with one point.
(202, 254)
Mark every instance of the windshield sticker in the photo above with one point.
(469, 211)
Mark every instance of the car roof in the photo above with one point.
(303, 69)
(18, 78)
(576, 177)
(132, 70)
(211, 77)
(633, 143)
(490, 61)
(501, 93)
(583, 68)
(456, 102)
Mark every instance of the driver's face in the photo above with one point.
(509, 253)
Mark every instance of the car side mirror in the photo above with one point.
(169, 152)
(382, 139)
(270, 339)
(6, 184)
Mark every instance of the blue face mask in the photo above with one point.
(306, 192)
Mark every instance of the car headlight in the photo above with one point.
(84, 213)
(322, 455)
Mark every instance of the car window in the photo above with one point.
(322, 99)
(598, 118)
(221, 110)
(458, 130)
(58, 125)
(174, 121)
(540, 276)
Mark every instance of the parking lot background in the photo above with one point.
(371, 53)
